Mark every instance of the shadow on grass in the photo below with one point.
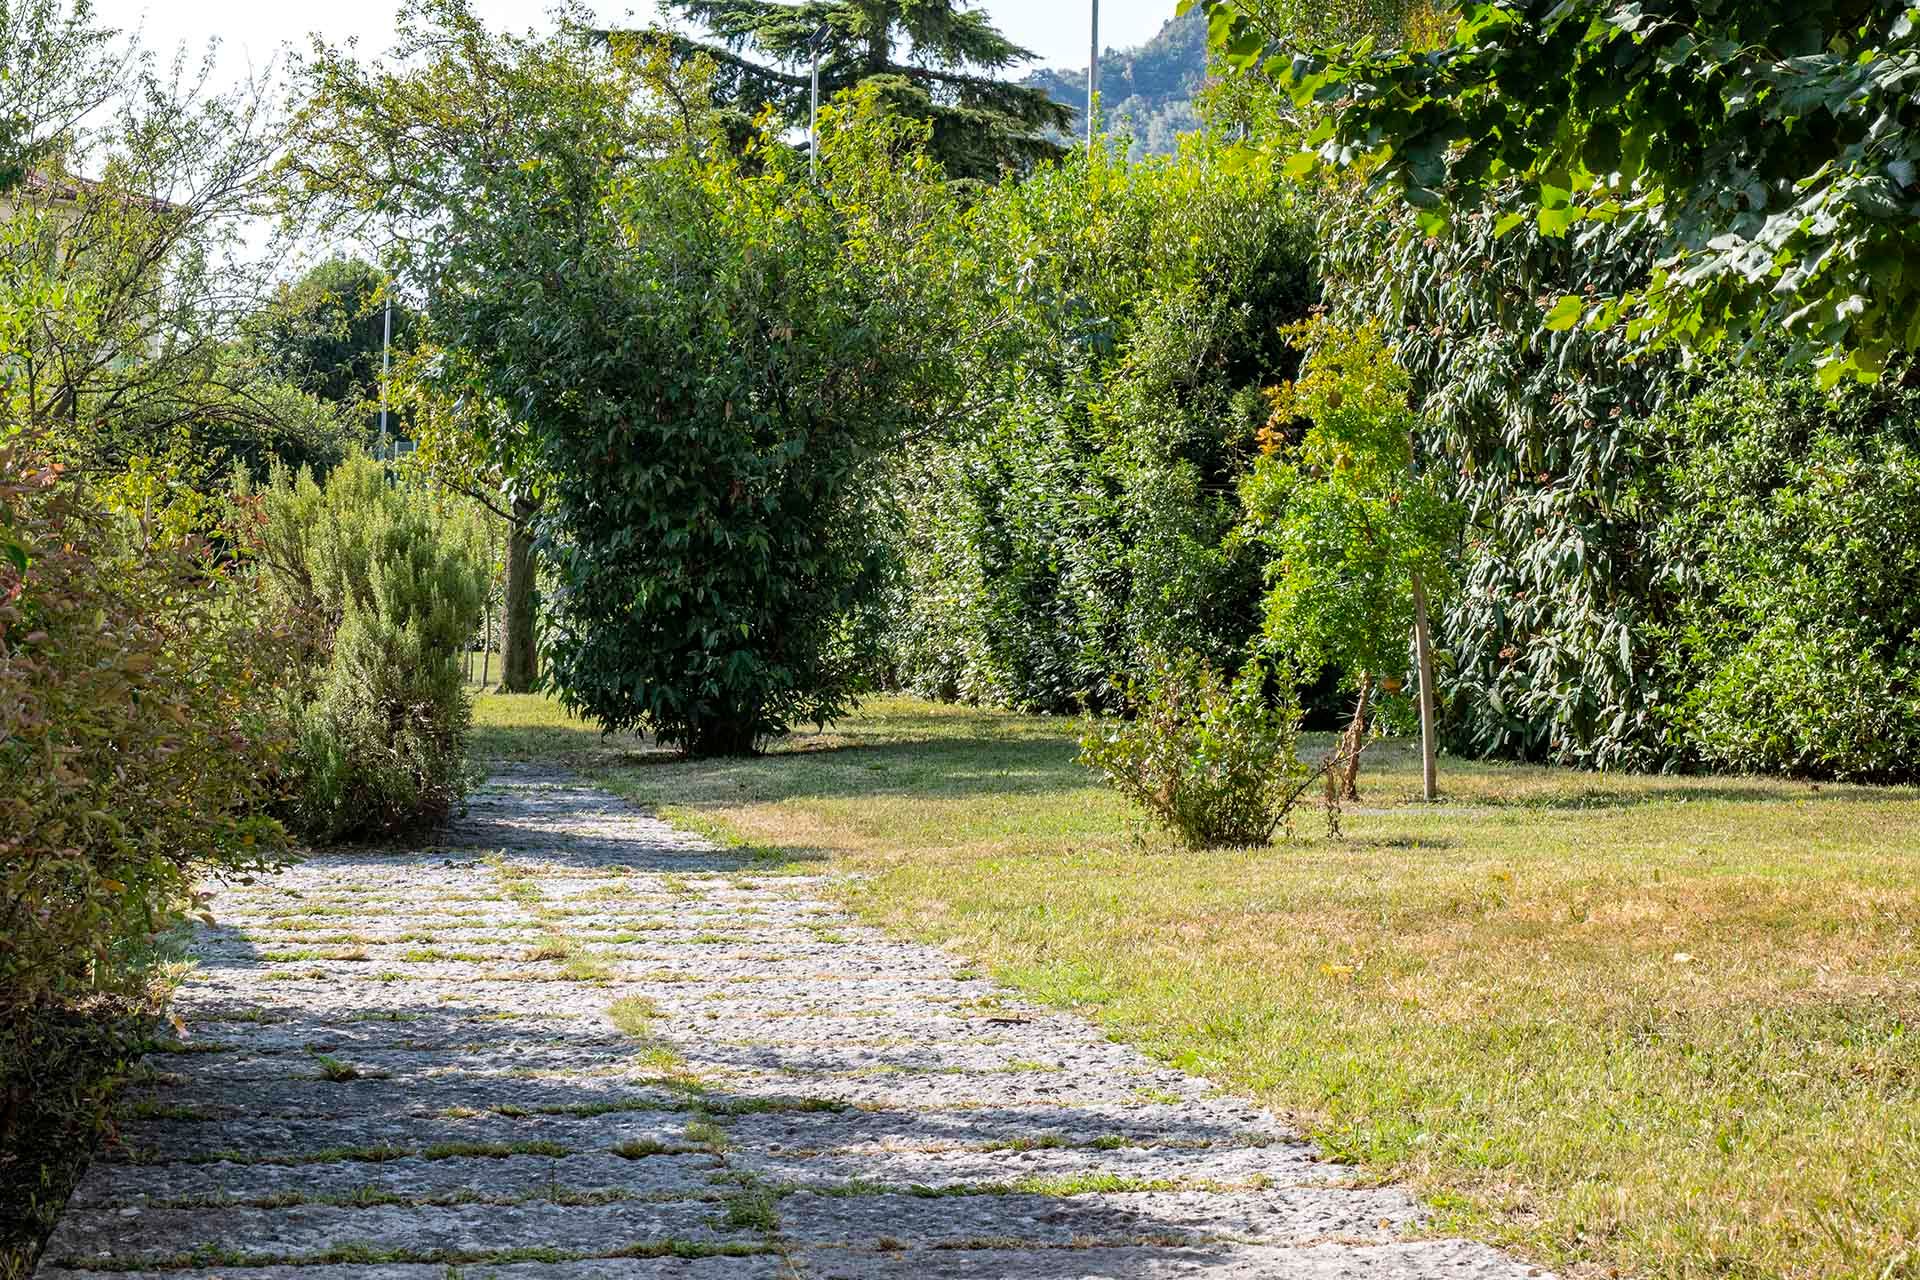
(937, 769)
(902, 748)
(1636, 792)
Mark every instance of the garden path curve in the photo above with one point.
(403, 1066)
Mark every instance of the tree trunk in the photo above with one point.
(1355, 742)
(519, 659)
(1423, 647)
(721, 738)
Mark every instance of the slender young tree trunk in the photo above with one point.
(1423, 651)
(1423, 647)
(519, 659)
(1356, 741)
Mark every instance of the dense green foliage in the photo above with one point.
(1581, 629)
(1084, 519)
(1771, 150)
(718, 577)
(1038, 475)
(325, 334)
(934, 61)
(137, 736)
(1536, 433)
(1346, 521)
(393, 589)
(1792, 529)
(120, 294)
(707, 352)
(1210, 758)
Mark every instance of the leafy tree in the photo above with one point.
(114, 291)
(483, 163)
(981, 126)
(326, 331)
(704, 353)
(1770, 149)
(1537, 433)
(474, 447)
(1358, 535)
(57, 66)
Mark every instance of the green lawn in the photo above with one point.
(1660, 1025)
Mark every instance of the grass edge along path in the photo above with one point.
(1640, 1025)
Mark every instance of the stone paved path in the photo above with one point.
(405, 1067)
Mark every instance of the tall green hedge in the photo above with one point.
(1790, 543)
(1085, 518)
(1664, 567)
(1661, 567)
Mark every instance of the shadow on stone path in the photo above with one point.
(404, 1067)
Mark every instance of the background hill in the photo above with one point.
(1147, 91)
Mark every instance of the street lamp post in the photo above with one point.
(1093, 75)
(386, 365)
(813, 119)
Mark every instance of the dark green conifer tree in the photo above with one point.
(933, 60)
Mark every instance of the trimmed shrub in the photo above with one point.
(1212, 760)
(380, 711)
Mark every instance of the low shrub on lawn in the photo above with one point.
(1211, 759)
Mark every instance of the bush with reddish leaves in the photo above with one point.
(140, 739)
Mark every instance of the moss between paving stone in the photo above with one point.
(367, 1255)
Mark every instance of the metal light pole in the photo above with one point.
(1093, 75)
(386, 365)
(813, 120)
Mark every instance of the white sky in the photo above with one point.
(251, 31)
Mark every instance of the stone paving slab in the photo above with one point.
(1146, 1124)
(307, 1231)
(269, 1137)
(1292, 1214)
(764, 1266)
(947, 1168)
(425, 1093)
(1446, 1258)
(392, 1073)
(512, 1177)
